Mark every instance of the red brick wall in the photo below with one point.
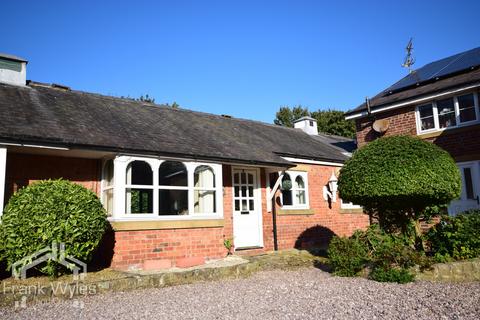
(132, 248)
(23, 169)
(462, 143)
(301, 231)
(401, 122)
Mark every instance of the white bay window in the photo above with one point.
(447, 113)
(151, 188)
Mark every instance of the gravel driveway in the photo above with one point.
(301, 294)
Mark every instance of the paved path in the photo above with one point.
(301, 294)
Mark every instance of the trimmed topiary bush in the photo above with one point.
(396, 178)
(347, 256)
(399, 275)
(456, 237)
(52, 211)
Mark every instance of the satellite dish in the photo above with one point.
(381, 126)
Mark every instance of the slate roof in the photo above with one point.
(57, 117)
(11, 57)
(433, 84)
(342, 144)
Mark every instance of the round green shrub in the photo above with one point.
(52, 211)
(347, 256)
(399, 172)
(456, 237)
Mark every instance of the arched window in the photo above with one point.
(173, 185)
(204, 190)
(287, 190)
(295, 190)
(107, 187)
(139, 187)
(300, 190)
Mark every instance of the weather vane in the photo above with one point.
(409, 59)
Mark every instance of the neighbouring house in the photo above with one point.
(438, 102)
(175, 183)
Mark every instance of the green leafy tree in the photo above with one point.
(333, 122)
(328, 121)
(396, 178)
(286, 115)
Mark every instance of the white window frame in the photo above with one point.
(293, 176)
(104, 187)
(120, 186)
(459, 124)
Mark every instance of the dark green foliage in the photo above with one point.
(333, 122)
(52, 211)
(456, 237)
(398, 275)
(388, 256)
(286, 115)
(347, 256)
(328, 121)
(397, 178)
(399, 172)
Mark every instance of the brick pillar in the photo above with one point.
(3, 168)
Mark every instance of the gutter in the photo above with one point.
(364, 113)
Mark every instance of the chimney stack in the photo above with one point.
(13, 70)
(307, 124)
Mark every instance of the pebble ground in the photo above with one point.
(301, 294)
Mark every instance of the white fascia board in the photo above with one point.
(323, 163)
(409, 102)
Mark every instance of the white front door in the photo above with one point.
(247, 213)
(469, 198)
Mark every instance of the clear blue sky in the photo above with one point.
(243, 58)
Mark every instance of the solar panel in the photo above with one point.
(441, 68)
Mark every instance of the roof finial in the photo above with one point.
(409, 59)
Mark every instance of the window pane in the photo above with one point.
(466, 105)
(204, 177)
(108, 201)
(204, 201)
(250, 178)
(286, 192)
(426, 117)
(244, 205)
(244, 191)
(172, 173)
(237, 205)
(252, 207)
(235, 178)
(139, 173)
(300, 197)
(250, 191)
(173, 202)
(139, 200)
(467, 175)
(237, 191)
(299, 184)
(446, 113)
(108, 173)
(244, 180)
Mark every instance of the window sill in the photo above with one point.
(287, 212)
(351, 210)
(436, 133)
(143, 224)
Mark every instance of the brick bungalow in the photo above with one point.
(438, 102)
(175, 183)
